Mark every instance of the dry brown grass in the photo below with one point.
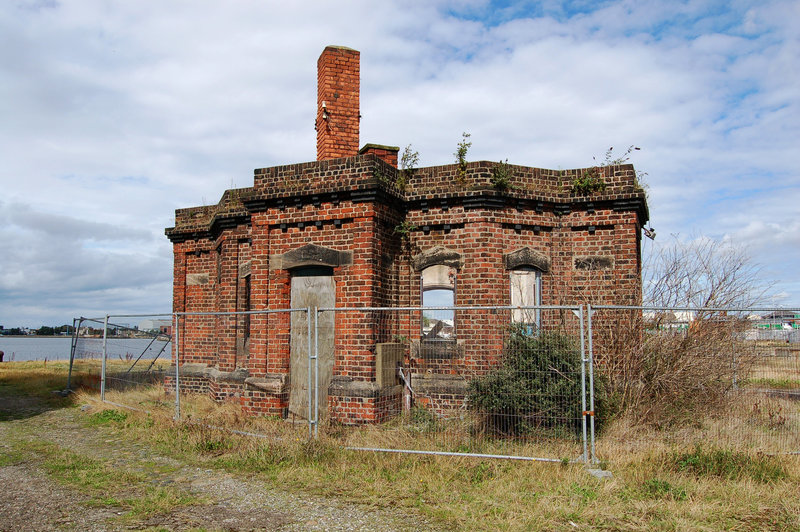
(749, 422)
(649, 491)
(38, 378)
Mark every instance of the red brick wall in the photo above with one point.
(354, 205)
(338, 85)
(198, 338)
(388, 154)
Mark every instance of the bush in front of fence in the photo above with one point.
(537, 386)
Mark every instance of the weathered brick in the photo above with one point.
(355, 204)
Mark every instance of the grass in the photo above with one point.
(772, 383)
(104, 483)
(35, 378)
(781, 372)
(661, 479)
(727, 464)
(105, 417)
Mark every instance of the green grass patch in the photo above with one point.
(107, 416)
(83, 473)
(11, 457)
(775, 384)
(157, 500)
(661, 489)
(106, 484)
(727, 464)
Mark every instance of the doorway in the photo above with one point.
(314, 287)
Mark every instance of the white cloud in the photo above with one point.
(116, 114)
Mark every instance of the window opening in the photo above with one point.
(526, 291)
(438, 289)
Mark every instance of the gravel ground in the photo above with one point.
(30, 500)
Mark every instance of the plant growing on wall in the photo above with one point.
(501, 176)
(380, 176)
(461, 154)
(404, 229)
(408, 164)
(592, 180)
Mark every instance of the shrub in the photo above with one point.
(591, 181)
(666, 377)
(501, 176)
(537, 386)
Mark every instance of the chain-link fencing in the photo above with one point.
(728, 377)
(538, 383)
(496, 381)
(109, 353)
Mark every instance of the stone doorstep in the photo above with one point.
(210, 373)
(276, 383)
(432, 383)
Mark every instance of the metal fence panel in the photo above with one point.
(466, 380)
(525, 383)
(727, 377)
(120, 353)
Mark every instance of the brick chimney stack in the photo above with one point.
(338, 84)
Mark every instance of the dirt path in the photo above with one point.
(32, 500)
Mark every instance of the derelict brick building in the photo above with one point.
(352, 230)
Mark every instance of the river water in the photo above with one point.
(58, 348)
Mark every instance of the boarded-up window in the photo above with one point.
(526, 291)
(246, 305)
(438, 284)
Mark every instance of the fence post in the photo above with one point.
(177, 369)
(72, 350)
(579, 312)
(316, 372)
(103, 363)
(311, 353)
(589, 312)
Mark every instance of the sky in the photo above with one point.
(114, 114)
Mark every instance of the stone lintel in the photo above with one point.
(310, 255)
(198, 369)
(594, 262)
(526, 257)
(437, 255)
(236, 376)
(189, 370)
(195, 279)
(348, 387)
(436, 383)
